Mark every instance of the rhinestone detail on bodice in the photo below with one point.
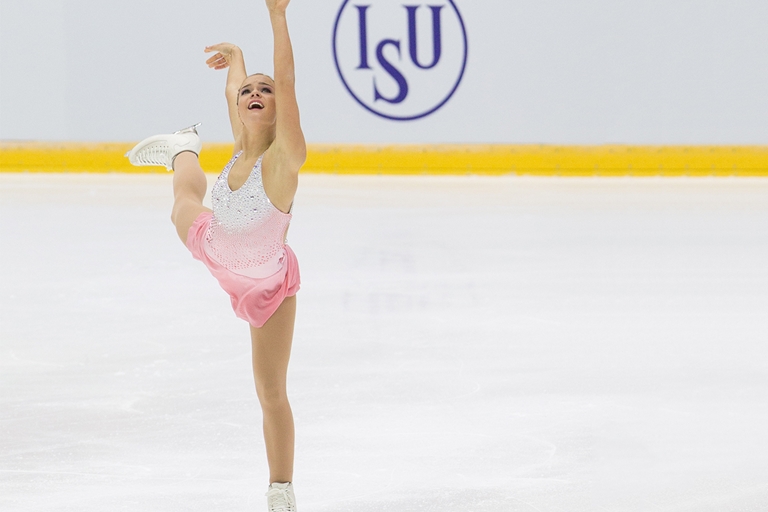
(247, 232)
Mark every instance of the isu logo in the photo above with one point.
(401, 61)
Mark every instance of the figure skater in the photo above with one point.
(242, 240)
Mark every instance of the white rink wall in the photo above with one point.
(588, 72)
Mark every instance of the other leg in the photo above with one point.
(271, 346)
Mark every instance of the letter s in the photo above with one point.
(393, 72)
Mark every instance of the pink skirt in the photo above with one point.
(254, 300)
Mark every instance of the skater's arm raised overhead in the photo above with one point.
(289, 150)
(230, 56)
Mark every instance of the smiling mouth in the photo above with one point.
(255, 105)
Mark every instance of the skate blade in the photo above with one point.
(188, 129)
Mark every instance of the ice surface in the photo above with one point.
(463, 344)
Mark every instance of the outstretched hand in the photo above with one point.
(223, 57)
(277, 5)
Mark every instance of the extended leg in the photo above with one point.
(189, 185)
(177, 151)
(271, 351)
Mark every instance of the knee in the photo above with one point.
(272, 397)
(174, 213)
(181, 205)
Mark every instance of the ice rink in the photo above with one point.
(463, 344)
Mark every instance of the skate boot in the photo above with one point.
(280, 498)
(162, 149)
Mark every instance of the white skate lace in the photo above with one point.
(279, 500)
(154, 154)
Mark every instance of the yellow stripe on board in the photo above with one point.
(537, 160)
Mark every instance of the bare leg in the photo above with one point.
(189, 185)
(271, 351)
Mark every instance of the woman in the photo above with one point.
(242, 240)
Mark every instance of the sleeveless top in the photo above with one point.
(247, 232)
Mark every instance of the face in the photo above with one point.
(256, 100)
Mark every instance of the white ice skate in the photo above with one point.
(280, 498)
(162, 149)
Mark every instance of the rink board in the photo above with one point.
(535, 160)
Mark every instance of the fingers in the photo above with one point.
(224, 53)
(215, 58)
(218, 61)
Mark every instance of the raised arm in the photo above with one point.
(230, 56)
(289, 150)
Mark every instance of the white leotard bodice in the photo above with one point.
(247, 232)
